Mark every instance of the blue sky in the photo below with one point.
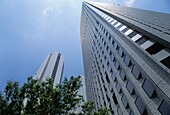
(30, 29)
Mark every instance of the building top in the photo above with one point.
(156, 25)
(52, 67)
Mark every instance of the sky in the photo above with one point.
(31, 29)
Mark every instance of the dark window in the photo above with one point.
(127, 60)
(124, 101)
(115, 45)
(122, 74)
(140, 105)
(114, 98)
(107, 78)
(131, 35)
(148, 88)
(124, 30)
(119, 26)
(153, 49)
(117, 65)
(136, 72)
(130, 87)
(166, 62)
(120, 52)
(142, 40)
(164, 108)
(118, 87)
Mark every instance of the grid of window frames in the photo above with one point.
(151, 46)
(100, 35)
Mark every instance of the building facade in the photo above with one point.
(52, 67)
(126, 56)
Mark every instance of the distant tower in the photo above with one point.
(126, 56)
(53, 67)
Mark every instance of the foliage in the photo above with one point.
(43, 98)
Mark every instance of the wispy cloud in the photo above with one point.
(47, 10)
(129, 2)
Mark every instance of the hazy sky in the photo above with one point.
(30, 29)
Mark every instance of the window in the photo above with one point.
(112, 57)
(131, 113)
(124, 101)
(136, 72)
(130, 87)
(115, 23)
(148, 88)
(120, 52)
(110, 39)
(118, 87)
(132, 34)
(124, 30)
(155, 48)
(166, 62)
(119, 26)
(142, 40)
(114, 98)
(122, 74)
(107, 78)
(140, 105)
(117, 65)
(113, 75)
(127, 60)
(115, 45)
(164, 108)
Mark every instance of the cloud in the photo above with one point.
(129, 2)
(47, 10)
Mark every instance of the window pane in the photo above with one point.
(129, 87)
(120, 52)
(118, 87)
(115, 45)
(115, 23)
(164, 108)
(124, 101)
(132, 34)
(140, 105)
(136, 72)
(117, 65)
(142, 40)
(113, 76)
(114, 98)
(119, 26)
(124, 30)
(148, 88)
(127, 60)
(122, 74)
(155, 48)
(166, 62)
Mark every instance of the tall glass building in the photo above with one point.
(126, 56)
(52, 67)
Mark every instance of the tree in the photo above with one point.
(88, 109)
(43, 98)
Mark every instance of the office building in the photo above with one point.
(52, 67)
(126, 56)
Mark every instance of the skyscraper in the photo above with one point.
(126, 56)
(52, 66)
